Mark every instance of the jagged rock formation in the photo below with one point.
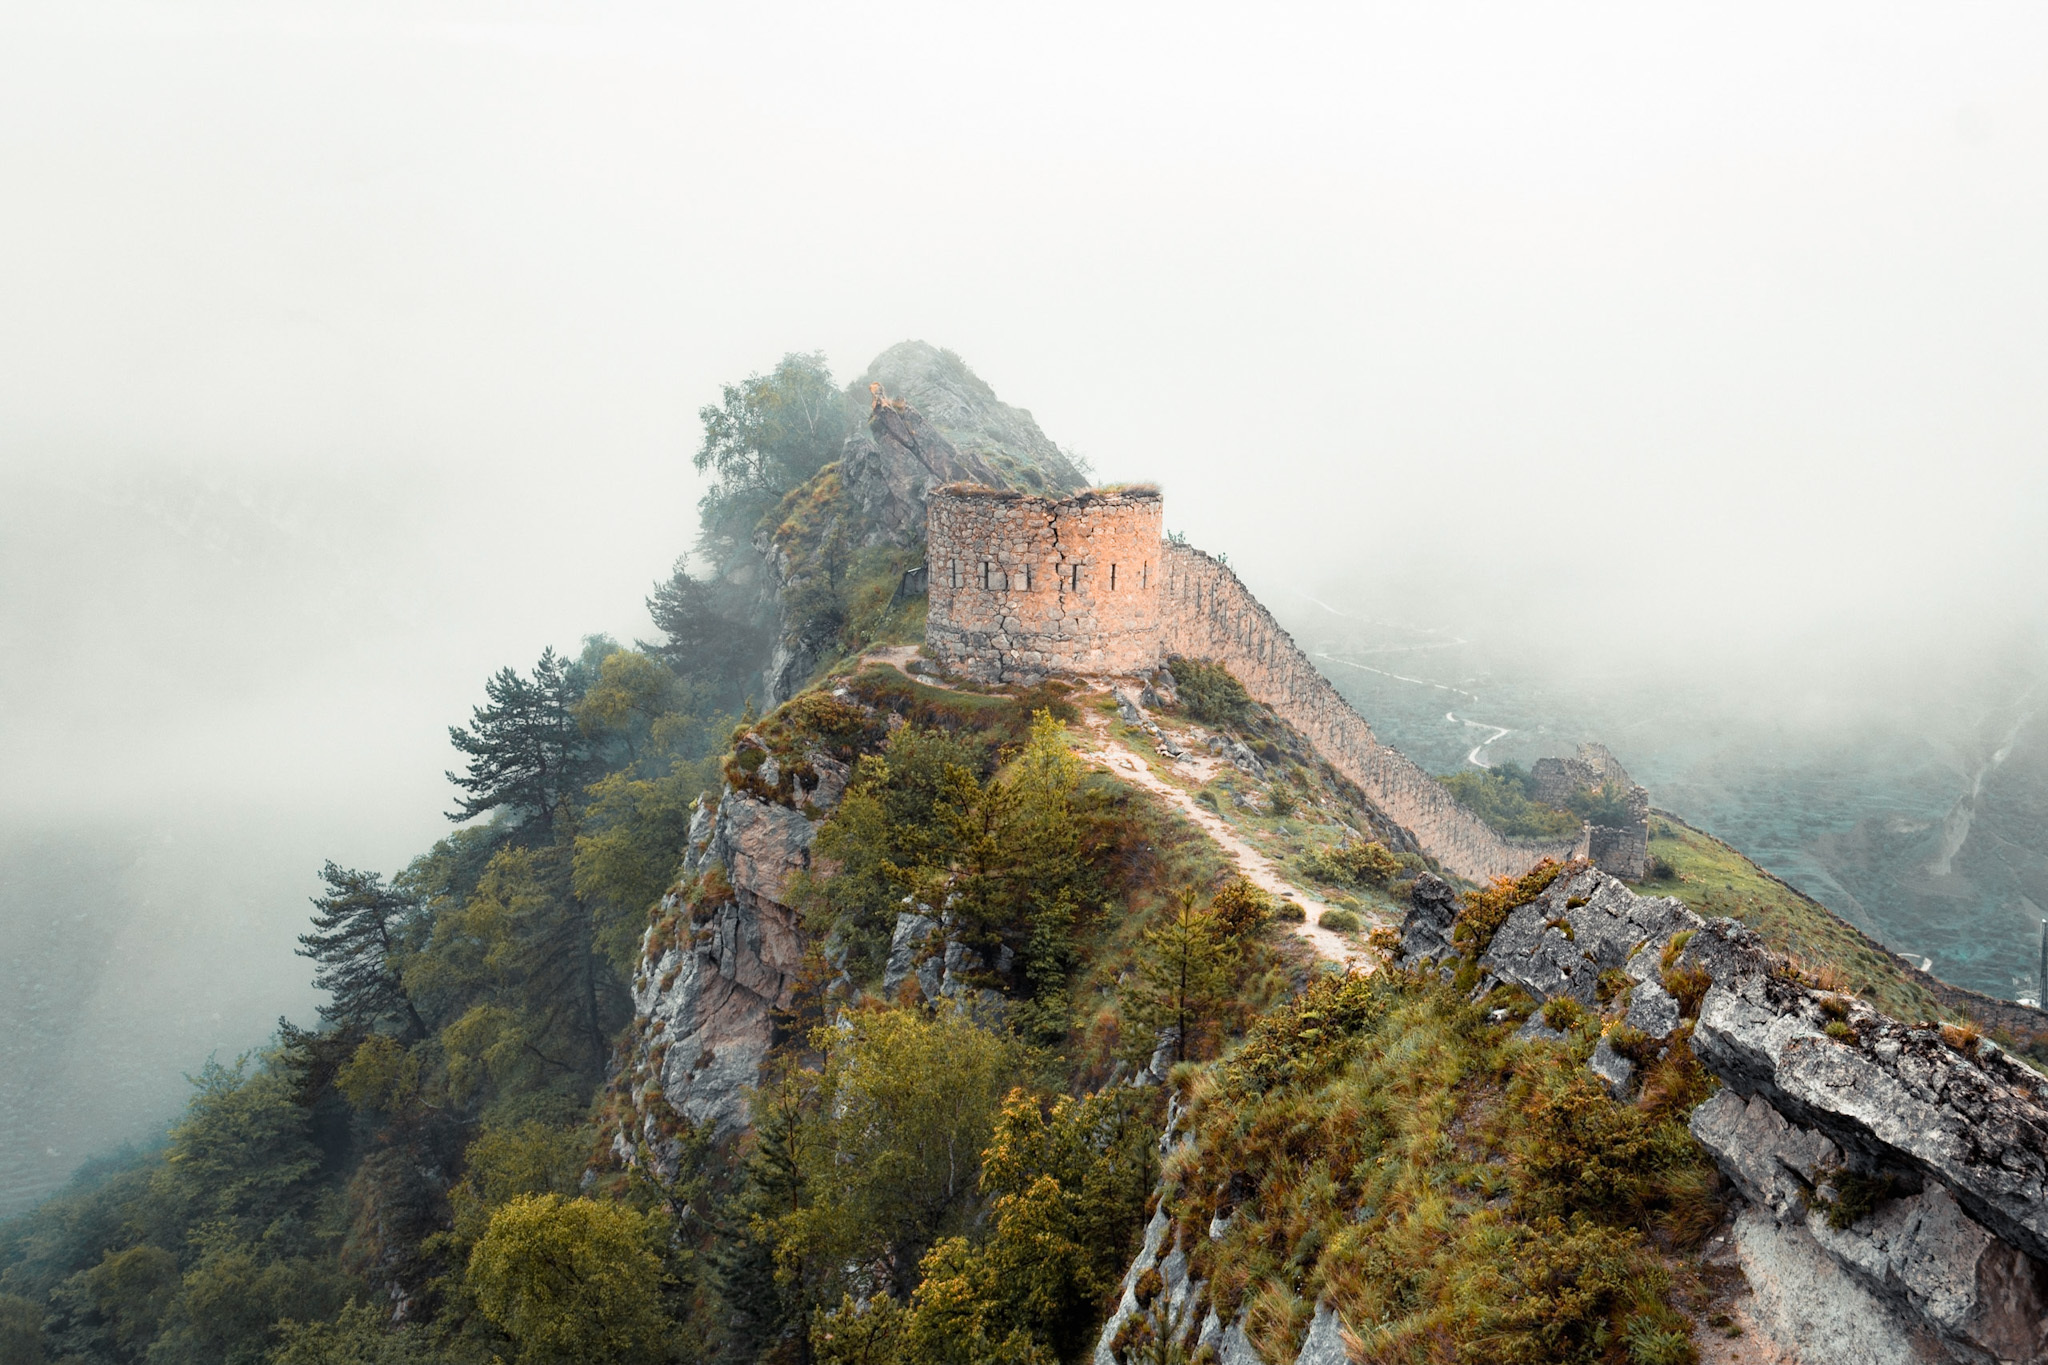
(713, 973)
(1891, 1179)
(1895, 1177)
(892, 467)
(980, 426)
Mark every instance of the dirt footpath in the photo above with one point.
(1113, 755)
(1126, 766)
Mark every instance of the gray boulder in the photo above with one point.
(1581, 926)
(1432, 910)
(1324, 1342)
(1614, 1070)
(1651, 1008)
(906, 949)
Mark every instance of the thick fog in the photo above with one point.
(350, 352)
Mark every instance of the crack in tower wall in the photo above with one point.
(1166, 599)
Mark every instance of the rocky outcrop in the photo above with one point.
(1433, 909)
(931, 421)
(891, 469)
(979, 425)
(1581, 927)
(721, 959)
(1894, 1177)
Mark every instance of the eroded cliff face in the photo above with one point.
(1893, 1177)
(718, 964)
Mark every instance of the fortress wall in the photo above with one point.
(1022, 586)
(1205, 612)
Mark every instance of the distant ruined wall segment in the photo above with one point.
(1208, 613)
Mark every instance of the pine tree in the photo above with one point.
(358, 932)
(1186, 973)
(716, 638)
(527, 754)
(764, 1312)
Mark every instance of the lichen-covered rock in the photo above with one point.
(1651, 1008)
(906, 948)
(1614, 1070)
(1895, 1095)
(1815, 1308)
(1581, 926)
(1433, 909)
(709, 983)
(1772, 1162)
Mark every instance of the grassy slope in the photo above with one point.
(1715, 879)
(1155, 853)
(1386, 1145)
(1327, 810)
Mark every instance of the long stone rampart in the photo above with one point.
(1206, 612)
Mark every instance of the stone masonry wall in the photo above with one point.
(1023, 586)
(1205, 612)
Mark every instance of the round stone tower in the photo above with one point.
(1024, 586)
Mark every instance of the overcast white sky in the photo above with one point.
(350, 351)
(1753, 296)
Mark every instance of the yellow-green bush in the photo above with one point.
(1458, 1196)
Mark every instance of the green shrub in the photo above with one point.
(1504, 798)
(1339, 921)
(1563, 1013)
(1241, 907)
(1209, 693)
(1355, 864)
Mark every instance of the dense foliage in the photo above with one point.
(429, 1175)
(1505, 797)
(1459, 1196)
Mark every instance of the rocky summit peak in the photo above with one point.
(960, 403)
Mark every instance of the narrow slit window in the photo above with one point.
(984, 575)
(1112, 578)
(953, 573)
(1027, 578)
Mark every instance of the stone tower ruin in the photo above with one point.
(1024, 586)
